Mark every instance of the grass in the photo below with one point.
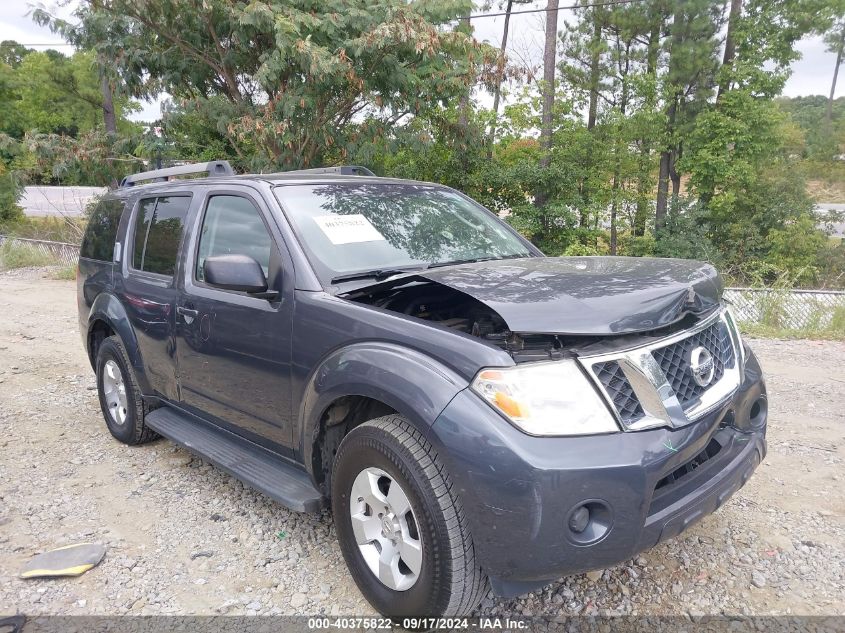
(756, 330)
(53, 229)
(67, 273)
(17, 256)
(771, 325)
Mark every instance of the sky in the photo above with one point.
(811, 74)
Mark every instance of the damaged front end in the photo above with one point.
(538, 308)
(434, 302)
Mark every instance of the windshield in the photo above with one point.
(354, 227)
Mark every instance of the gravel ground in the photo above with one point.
(184, 538)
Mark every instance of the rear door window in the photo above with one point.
(159, 224)
(101, 231)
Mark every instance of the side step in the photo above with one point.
(244, 460)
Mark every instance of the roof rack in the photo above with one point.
(342, 170)
(214, 168)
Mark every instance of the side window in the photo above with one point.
(233, 226)
(101, 232)
(158, 230)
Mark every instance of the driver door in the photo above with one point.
(233, 349)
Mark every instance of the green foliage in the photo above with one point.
(65, 273)
(53, 229)
(18, 256)
(284, 82)
(10, 191)
(52, 126)
(796, 247)
(821, 142)
(686, 235)
(54, 94)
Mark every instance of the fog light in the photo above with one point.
(757, 414)
(579, 520)
(588, 522)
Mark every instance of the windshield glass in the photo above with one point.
(355, 227)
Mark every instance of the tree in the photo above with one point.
(549, 67)
(730, 43)
(548, 93)
(12, 53)
(289, 82)
(836, 41)
(687, 85)
(54, 93)
(500, 73)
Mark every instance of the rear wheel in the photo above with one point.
(120, 399)
(401, 527)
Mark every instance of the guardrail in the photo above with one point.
(793, 309)
(62, 252)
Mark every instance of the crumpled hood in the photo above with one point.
(586, 295)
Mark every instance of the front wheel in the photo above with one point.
(401, 527)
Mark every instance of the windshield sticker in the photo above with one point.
(348, 229)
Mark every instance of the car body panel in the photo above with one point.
(345, 348)
(590, 296)
(519, 490)
(234, 356)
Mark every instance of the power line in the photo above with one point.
(573, 6)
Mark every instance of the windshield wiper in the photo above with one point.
(380, 274)
(473, 260)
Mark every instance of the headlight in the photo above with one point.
(548, 398)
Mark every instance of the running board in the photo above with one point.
(253, 465)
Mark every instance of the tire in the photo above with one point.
(447, 581)
(123, 408)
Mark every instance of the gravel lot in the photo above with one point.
(184, 538)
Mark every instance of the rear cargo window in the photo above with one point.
(158, 230)
(101, 231)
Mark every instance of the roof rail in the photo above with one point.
(214, 168)
(342, 170)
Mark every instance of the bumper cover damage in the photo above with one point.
(520, 492)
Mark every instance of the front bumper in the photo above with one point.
(519, 492)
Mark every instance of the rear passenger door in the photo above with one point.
(148, 289)
(233, 348)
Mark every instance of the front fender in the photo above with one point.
(413, 384)
(108, 308)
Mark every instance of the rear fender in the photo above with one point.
(108, 309)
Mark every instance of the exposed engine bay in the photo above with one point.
(456, 310)
(419, 297)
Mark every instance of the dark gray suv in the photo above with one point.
(475, 414)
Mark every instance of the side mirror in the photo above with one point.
(235, 272)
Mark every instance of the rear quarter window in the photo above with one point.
(101, 231)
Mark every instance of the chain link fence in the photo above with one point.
(788, 309)
(61, 252)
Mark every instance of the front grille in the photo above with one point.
(616, 385)
(674, 360)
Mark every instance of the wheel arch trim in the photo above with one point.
(108, 309)
(413, 384)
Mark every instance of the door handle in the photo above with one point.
(188, 314)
